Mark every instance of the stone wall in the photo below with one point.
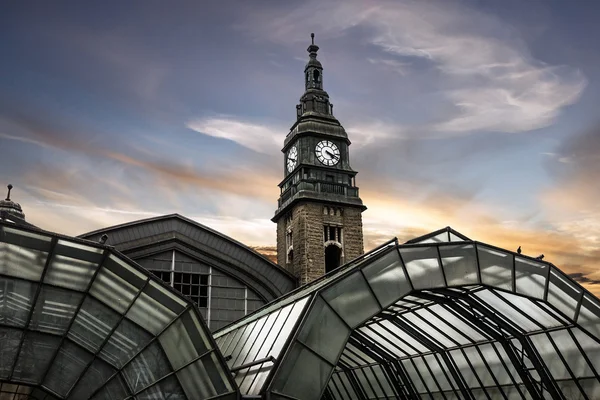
(353, 234)
(308, 220)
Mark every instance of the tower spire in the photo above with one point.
(314, 99)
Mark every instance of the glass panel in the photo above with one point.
(479, 366)
(146, 368)
(115, 389)
(510, 314)
(324, 332)
(548, 354)
(531, 309)
(454, 238)
(16, 297)
(124, 343)
(73, 265)
(570, 352)
(263, 342)
(240, 356)
(387, 278)
(563, 294)
(150, 314)
(93, 323)
(23, 254)
(462, 327)
(95, 376)
(203, 379)
(591, 388)
(464, 369)
(509, 365)
(36, 353)
(413, 375)
(443, 325)
(66, 368)
(9, 343)
(496, 267)
(168, 389)
(530, 277)
(113, 291)
(460, 264)
(490, 356)
(365, 383)
(247, 330)
(589, 315)
(352, 299)
(290, 322)
(589, 346)
(54, 309)
(423, 267)
(184, 340)
(308, 384)
(169, 300)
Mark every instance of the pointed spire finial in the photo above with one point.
(9, 189)
(312, 38)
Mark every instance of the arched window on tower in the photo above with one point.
(332, 257)
(316, 76)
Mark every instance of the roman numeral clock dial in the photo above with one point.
(327, 153)
(292, 159)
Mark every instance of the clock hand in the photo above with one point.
(331, 154)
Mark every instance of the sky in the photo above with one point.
(476, 114)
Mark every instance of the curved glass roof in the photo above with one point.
(79, 321)
(439, 317)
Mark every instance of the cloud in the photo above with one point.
(91, 162)
(488, 75)
(399, 67)
(577, 168)
(261, 138)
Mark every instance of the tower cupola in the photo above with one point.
(10, 207)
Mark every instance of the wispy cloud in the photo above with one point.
(261, 138)
(489, 76)
(399, 67)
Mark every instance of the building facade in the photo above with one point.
(319, 220)
(226, 279)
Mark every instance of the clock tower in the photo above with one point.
(319, 221)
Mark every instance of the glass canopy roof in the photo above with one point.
(79, 321)
(439, 317)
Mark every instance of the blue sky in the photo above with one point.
(481, 115)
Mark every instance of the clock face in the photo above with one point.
(327, 153)
(292, 159)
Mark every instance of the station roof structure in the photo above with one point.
(78, 320)
(440, 317)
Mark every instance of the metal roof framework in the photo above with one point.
(440, 317)
(78, 320)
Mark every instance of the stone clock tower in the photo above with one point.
(319, 222)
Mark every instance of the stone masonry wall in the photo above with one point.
(281, 250)
(353, 234)
(307, 236)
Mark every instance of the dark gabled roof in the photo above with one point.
(144, 237)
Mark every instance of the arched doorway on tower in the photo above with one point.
(333, 255)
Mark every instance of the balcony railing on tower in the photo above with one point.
(317, 186)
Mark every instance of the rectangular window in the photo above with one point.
(329, 178)
(194, 286)
(164, 276)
